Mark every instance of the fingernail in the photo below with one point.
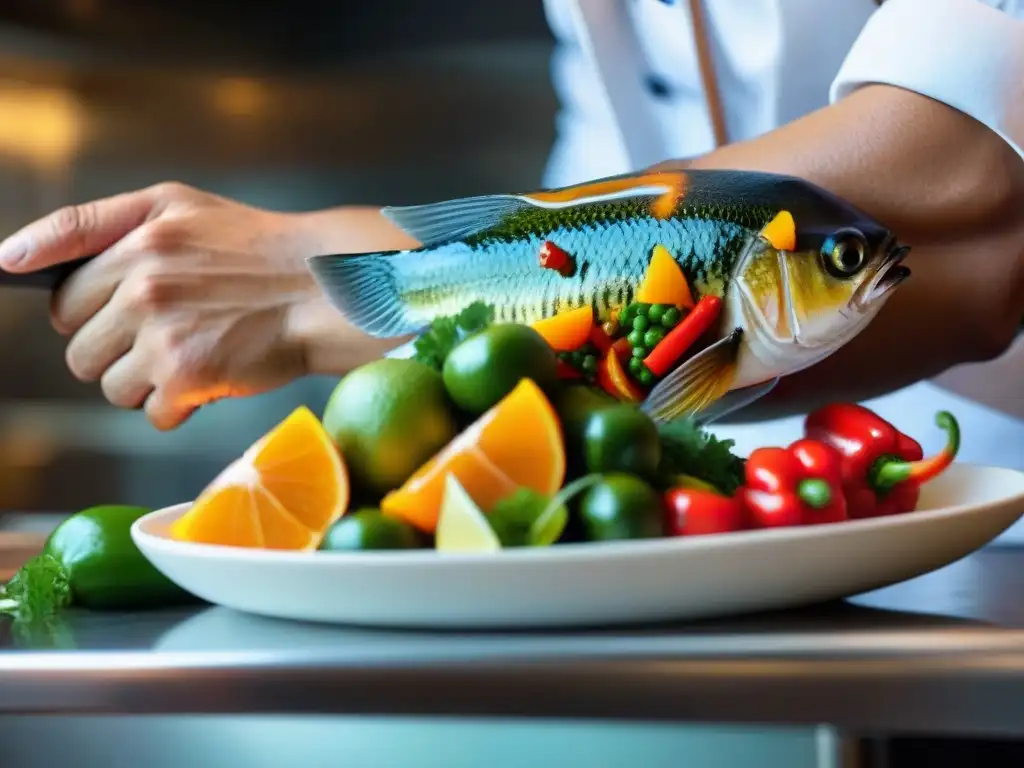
(12, 251)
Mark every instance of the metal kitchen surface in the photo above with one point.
(942, 653)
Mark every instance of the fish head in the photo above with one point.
(799, 304)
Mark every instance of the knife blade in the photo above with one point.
(49, 278)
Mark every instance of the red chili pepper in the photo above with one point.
(553, 257)
(694, 512)
(883, 469)
(668, 351)
(798, 485)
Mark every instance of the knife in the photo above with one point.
(49, 278)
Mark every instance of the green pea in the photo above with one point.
(645, 377)
(642, 309)
(635, 338)
(636, 365)
(640, 352)
(652, 337)
(641, 324)
(577, 357)
(656, 312)
(590, 363)
(670, 318)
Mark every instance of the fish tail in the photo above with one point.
(364, 288)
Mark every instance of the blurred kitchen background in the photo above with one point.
(298, 105)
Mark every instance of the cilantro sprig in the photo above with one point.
(39, 590)
(445, 333)
(688, 449)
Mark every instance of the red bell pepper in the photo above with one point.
(883, 469)
(798, 485)
(696, 512)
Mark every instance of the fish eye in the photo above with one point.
(844, 253)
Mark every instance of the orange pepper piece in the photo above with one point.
(567, 331)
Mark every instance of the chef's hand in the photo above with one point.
(193, 297)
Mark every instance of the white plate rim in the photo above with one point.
(564, 552)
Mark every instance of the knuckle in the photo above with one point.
(148, 292)
(159, 237)
(171, 190)
(70, 220)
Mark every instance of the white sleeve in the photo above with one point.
(963, 53)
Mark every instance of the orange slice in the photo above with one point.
(665, 282)
(516, 443)
(283, 493)
(567, 331)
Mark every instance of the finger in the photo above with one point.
(93, 285)
(75, 231)
(126, 383)
(101, 341)
(165, 412)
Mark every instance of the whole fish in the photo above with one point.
(799, 270)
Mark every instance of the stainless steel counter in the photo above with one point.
(942, 653)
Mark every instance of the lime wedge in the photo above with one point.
(461, 526)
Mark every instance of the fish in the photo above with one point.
(799, 270)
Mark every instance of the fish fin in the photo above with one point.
(697, 383)
(437, 223)
(734, 401)
(364, 289)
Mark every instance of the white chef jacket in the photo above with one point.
(627, 75)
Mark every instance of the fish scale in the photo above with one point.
(611, 258)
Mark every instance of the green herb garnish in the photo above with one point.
(445, 333)
(38, 591)
(688, 449)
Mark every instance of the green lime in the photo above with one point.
(368, 528)
(621, 506)
(484, 368)
(622, 439)
(104, 567)
(574, 404)
(388, 417)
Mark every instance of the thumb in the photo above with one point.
(76, 231)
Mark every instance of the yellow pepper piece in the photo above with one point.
(781, 232)
(665, 282)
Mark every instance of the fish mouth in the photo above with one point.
(890, 274)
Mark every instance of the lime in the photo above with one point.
(368, 528)
(575, 404)
(104, 567)
(621, 506)
(487, 366)
(461, 526)
(622, 439)
(388, 417)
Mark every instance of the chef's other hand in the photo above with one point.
(190, 299)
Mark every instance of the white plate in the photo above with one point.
(595, 584)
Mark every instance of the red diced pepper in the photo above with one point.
(798, 485)
(600, 338)
(553, 257)
(671, 348)
(566, 371)
(615, 381)
(622, 349)
(695, 512)
(883, 469)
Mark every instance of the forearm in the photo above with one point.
(950, 188)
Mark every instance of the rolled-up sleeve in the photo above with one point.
(964, 53)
